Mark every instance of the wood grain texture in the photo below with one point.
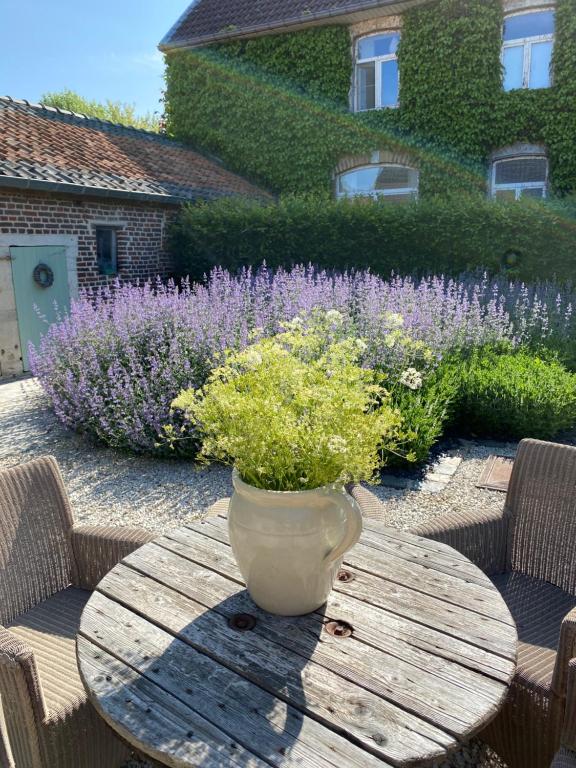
(428, 664)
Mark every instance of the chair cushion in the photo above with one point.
(50, 630)
(538, 609)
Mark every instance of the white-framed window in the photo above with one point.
(528, 42)
(397, 183)
(377, 82)
(520, 176)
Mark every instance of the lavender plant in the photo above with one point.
(113, 365)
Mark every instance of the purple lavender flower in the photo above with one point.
(115, 363)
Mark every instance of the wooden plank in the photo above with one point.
(156, 723)
(439, 561)
(427, 685)
(428, 581)
(421, 575)
(257, 720)
(417, 541)
(421, 620)
(381, 727)
(481, 632)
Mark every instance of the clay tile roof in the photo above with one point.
(207, 21)
(46, 148)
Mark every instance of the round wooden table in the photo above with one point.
(412, 655)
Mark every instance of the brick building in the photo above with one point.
(83, 201)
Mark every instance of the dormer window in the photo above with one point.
(376, 77)
(527, 50)
(396, 183)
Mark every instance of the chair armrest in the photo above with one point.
(23, 708)
(563, 673)
(564, 758)
(569, 727)
(97, 549)
(480, 536)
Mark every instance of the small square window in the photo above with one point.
(107, 250)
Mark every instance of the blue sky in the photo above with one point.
(101, 50)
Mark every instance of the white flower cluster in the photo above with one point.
(393, 320)
(334, 317)
(411, 378)
(253, 358)
(337, 444)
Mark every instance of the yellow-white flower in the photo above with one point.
(337, 444)
(411, 378)
(335, 317)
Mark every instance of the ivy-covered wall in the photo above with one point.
(276, 108)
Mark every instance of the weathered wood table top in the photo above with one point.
(178, 659)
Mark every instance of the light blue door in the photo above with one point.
(40, 277)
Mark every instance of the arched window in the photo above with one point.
(377, 81)
(527, 49)
(520, 174)
(398, 183)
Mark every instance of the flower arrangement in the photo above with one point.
(295, 411)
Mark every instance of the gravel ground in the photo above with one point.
(110, 487)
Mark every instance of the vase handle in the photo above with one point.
(353, 528)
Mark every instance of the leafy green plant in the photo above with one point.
(513, 396)
(443, 236)
(426, 410)
(115, 111)
(293, 412)
(275, 108)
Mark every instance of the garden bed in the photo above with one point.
(469, 357)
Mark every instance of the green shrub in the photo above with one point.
(432, 236)
(425, 414)
(516, 395)
(293, 412)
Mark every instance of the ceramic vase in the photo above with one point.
(289, 545)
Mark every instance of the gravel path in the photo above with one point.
(108, 486)
(111, 487)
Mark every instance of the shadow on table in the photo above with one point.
(225, 688)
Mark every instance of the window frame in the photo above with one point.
(377, 193)
(527, 43)
(114, 246)
(518, 187)
(377, 60)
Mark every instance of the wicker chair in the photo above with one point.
(47, 567)
(566, 756)
(529, 550)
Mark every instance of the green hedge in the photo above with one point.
(276, 108)
(447, 236)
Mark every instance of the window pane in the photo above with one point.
(359, 182)
(540, 65)
(378, 179)
(378, 45)
(529, 25)
(537, 192)
(366, 79)
(521, 170)
(513, 67)
(505, 194)
(389, 95)
(396, 177)
(106, 251)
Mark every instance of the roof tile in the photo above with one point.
(44, 144)
(209, 20)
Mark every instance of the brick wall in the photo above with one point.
(141, 229)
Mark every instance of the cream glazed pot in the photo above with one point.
(289, 545)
